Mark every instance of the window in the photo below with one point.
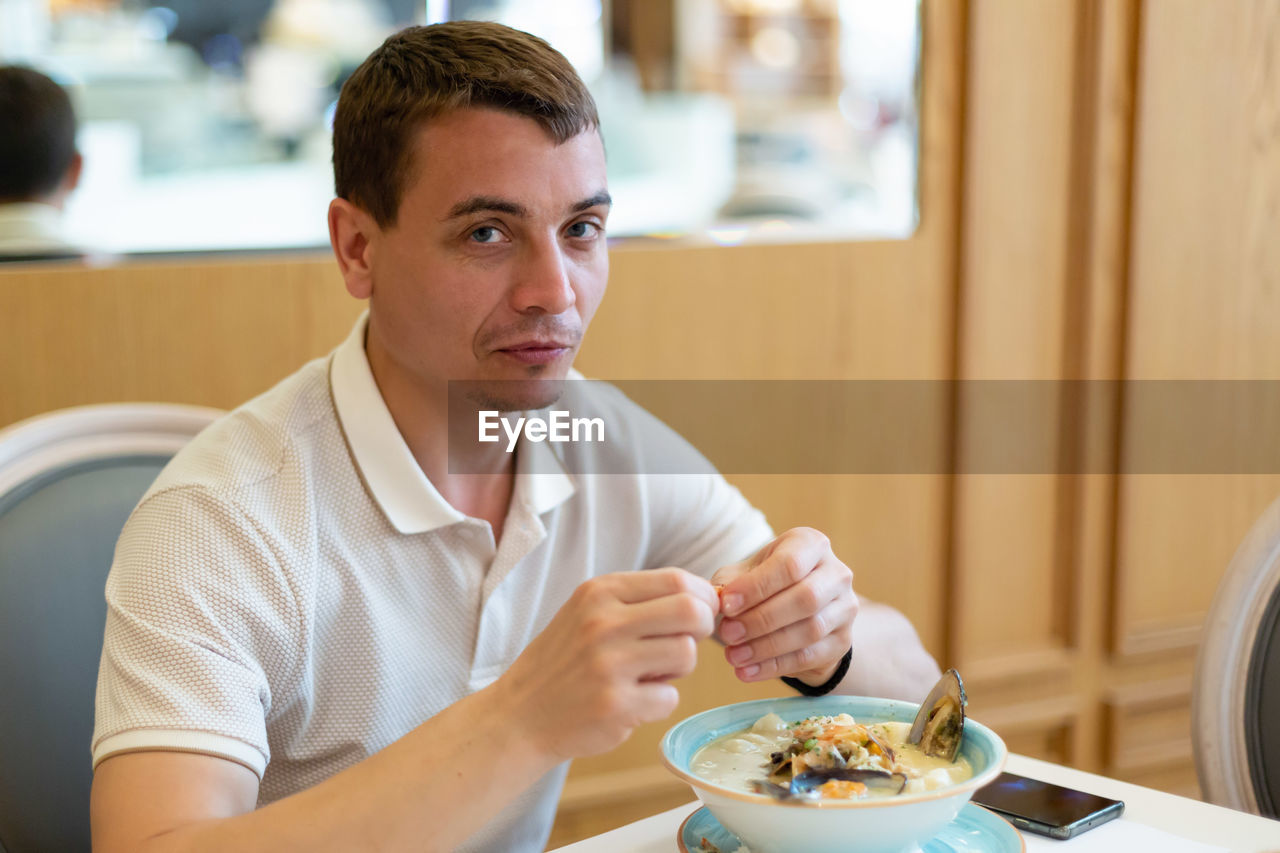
(205, 126)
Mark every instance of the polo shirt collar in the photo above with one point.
(31, 227)
(407, 497)
(540, 492)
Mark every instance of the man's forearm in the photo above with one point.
(430, 790)
(888, 658)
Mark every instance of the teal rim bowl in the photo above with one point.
(983, 748)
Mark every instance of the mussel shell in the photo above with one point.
(875, 780)
(764, 786)
(884, 747)
(939, 726)
(806, 785)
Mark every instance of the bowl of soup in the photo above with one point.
(827, 774)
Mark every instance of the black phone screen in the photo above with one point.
(1044, 807)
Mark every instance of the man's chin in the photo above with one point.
(510, 395)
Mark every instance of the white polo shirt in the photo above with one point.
(293, 594)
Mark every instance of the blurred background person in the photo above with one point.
(39, 163)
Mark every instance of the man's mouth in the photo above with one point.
(537, 352)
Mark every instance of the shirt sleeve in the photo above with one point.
(696, 520)
(200, 626)
(701, 523)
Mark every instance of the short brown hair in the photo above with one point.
(37, 134)
(422, 72)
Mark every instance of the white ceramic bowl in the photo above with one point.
(882, 825)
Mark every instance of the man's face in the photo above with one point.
(497, 260)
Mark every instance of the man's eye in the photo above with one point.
(581, 230)
(486, 234)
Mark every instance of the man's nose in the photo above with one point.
(542, 282)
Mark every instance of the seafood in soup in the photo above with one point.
(825, 757)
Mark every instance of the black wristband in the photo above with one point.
(822, 689)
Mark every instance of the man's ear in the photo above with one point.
(72, 178)
(350, 233)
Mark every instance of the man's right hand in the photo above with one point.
(601, 667)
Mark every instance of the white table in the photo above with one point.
(1152, 821)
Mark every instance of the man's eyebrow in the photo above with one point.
(599, 198)
(479, 203)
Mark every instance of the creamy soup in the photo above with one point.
(825, 757)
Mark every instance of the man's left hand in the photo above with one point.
(788, 610)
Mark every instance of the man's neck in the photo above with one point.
(421, 416)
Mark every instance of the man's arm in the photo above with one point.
(598, 670)
(427, 791)
(888, 658)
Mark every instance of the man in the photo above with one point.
(320, 635)
(39, 164)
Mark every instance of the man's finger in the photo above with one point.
(653, 701)
(815, 591)
(665, 658)
(823, 654)
(681, 613)
(634, 587)
(795, 636)
(727, 574)
(792, 557)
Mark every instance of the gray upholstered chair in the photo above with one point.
(68, 481)
(1235, 711)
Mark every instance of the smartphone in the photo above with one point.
(1044, 808)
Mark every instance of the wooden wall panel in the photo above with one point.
(1012, 325)
(1103, 580)
(1205, 259)
(1149, 726)
(213, 332)
(1204, 298)
(1040, 727)
(1148, 735)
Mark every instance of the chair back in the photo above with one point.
(68, 481)
(1235, 710)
